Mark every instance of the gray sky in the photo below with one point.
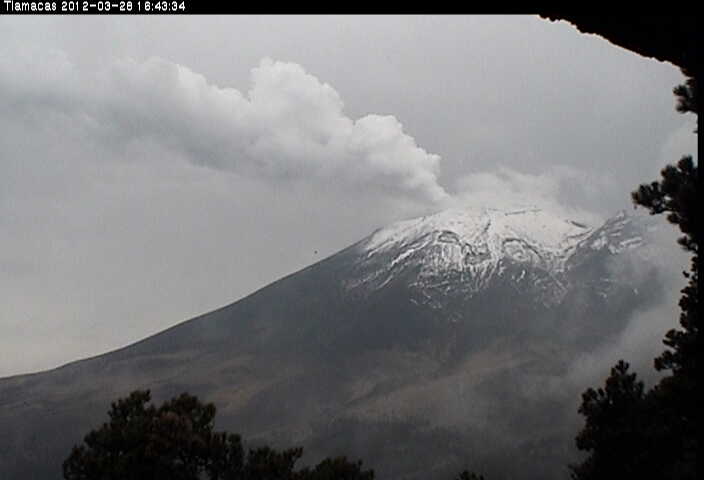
(155, 168)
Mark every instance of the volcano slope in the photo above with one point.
(432, 345)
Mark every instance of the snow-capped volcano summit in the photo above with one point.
(464, 249)
(488, 226)
(472, 236)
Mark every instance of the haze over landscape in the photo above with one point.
(124, 176)
(461, 336)
(404, 226)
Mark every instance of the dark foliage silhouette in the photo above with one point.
(630, 432)
(467, 475)
(176, 442)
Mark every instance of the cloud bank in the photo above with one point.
(561, 190)
(103, 194)
(288, 125)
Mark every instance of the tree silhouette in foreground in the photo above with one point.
(467, 475)
(632, 433)
(176, 442)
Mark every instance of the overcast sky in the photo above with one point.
(155, 168)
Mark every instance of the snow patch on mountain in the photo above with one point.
(469, 238)
(465, 248)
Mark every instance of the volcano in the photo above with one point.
(432, 345)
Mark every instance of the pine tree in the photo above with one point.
(467, 475)
(176, 442)
(629, 433)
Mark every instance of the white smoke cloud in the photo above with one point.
(289, 125)
(62, 123)
(554, 190)
(641, 340)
